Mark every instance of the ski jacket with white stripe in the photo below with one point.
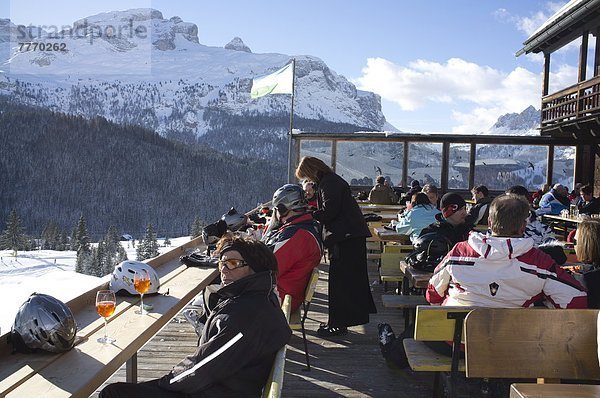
(488, 271)
(298, 248)
(237, 348)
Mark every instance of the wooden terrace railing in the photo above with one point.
(576, 102)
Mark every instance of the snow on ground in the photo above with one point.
(50, 272)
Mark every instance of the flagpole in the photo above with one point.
(289, 178)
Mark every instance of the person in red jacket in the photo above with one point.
(296, 243)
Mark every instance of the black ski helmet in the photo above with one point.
(43, 322)
(234, 220)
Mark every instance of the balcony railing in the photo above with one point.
(574, 103)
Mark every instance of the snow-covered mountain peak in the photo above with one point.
(237, 44)
(126, 29)
(524, 123)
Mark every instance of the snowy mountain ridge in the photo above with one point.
(137, 67)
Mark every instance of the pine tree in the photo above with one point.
(83, 247)
(148, 247)
(196, 227)
(167, 242)
(81, 237)
(13, 237)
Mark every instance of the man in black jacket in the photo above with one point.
(480, 211)
(588, 204)
(451, 221)
(243, 332)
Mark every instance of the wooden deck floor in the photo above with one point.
(348, 366)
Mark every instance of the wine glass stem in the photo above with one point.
(105, 330)
(142, 303)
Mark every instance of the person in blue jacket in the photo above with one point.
(418, 217)
(554, 201)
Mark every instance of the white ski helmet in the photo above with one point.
(122, 277)
(43, 322)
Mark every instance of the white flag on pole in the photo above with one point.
(278, 82)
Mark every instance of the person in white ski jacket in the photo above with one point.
(504, 269)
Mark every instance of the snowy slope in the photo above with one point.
(46, 271)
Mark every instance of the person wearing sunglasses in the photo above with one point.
(244, 329)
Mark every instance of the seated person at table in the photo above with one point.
(415, 186)
(554, 201)
(421, 214)
(243, 332)
(587, 248)
(433, 194)
(588, 204)
(382, 194)
(450, 223)
(538, 231)
(480, 211)
(296, 243)
(504, 269)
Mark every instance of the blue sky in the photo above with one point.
(439, 65)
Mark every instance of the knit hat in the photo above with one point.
(415, 183)
(451, 203)
(242, 249)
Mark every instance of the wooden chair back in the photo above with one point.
(275, 381)
(532, 343)
(437, 323)
(391, 261)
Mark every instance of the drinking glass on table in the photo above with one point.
(141, 282)
(105, 305)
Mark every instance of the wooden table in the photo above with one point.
(565, 221)
(388, 235)
(413, 277)
(525, 390)
(374, 208)
(388, 216)
(80, 371)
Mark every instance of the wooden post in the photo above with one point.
(131, 369)
(550, 163)
(333, 154)
(597, 53)
(546, 75)
(583, 50)
(445, 165)
(472, 167)
(405, 165)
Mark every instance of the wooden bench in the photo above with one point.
(52, 375)
(404, 302)
(440, 324)
(274, 383)
(543, 344)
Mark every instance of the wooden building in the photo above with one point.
(573, 111)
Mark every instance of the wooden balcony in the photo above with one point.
(579, 103)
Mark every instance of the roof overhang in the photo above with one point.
(563, 27)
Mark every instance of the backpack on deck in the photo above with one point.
(430, 249)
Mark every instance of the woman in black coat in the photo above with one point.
(350, 300)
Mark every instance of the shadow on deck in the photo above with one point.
(348, 366)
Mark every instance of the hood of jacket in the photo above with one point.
(498, 248)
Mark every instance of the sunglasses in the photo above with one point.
(231, 264)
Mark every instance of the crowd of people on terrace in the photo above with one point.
(507, 262)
